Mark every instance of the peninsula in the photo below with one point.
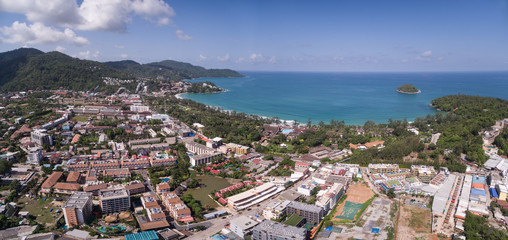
(408, 89)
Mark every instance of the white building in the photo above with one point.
(242, 225)
(35, 155)
(41, 137)
(139, 108)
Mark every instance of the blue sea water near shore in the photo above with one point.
(352, 97)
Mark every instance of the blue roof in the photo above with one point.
(480, 192)
(493, 193)
(148, 235)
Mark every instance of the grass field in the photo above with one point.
(40, 209)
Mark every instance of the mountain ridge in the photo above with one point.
(30, 69)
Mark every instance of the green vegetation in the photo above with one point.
(169, 70)
(501, 141)
(391, 193)
(53, 70)
(408, 88)
(231, 126)
(194, 205)
(203, 87)
(28, 68)
(477, 227)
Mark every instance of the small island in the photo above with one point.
(408, 89)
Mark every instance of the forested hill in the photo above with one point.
(467, 116)
(170, 70)
(29, 68)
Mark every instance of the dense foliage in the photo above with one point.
(501, 141)
(477, 227)
(53, 70)
(231, 126)
(30, 69)
(467, 116)
(407, 88)
(169, 70)
(203, 87)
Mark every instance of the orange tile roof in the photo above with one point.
(67, 186)
(154, 225)
(52, 179)
(73, 176)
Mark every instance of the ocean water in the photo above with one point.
(352, 97)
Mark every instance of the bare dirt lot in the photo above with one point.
(414, 223)
(357, 193)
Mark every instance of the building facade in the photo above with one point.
(78, 209)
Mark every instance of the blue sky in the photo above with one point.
(268, 35)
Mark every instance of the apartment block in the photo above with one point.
(78, 209)
(114, 200)
(311, 213)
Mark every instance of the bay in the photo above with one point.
(352, 97)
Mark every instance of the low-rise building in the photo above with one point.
(51, 181)
(275, 210)
(135, 187)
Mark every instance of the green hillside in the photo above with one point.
(170, 70)
(28, 68)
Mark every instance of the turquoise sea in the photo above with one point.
(352, 97)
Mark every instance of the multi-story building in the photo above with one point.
(238, 149)
(275, 210)
(311, 213)
(136, 163)
(139, 108)
(155, 213)
(242, 225)
(204, 158)
(253, 196)
(268, 230)
(35, 155)
(78, 209)
(423, 173)
(383, 168)
(78, 166)
(157, 162)
(135, 187)
(197, 148)
(117, 173)
(163, 187)
(115, 199)
(103, 165)
(41, 137)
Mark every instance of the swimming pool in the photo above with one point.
(104, 229)
(166, 179)
(287, 131)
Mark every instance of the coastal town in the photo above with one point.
(76, 165)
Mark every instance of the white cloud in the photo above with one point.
(223, 59)
(256, 57)
(59, 48)
(61, 12)
(182, 36)
(89, 55)
(39, 33)
(124, 55)
(427, 53)
(119, 46)
(273, 59)
(202, 57)
(404, 60)
(110, 15)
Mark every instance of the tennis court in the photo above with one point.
(349, 211)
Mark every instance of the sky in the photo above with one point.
(283, 35)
